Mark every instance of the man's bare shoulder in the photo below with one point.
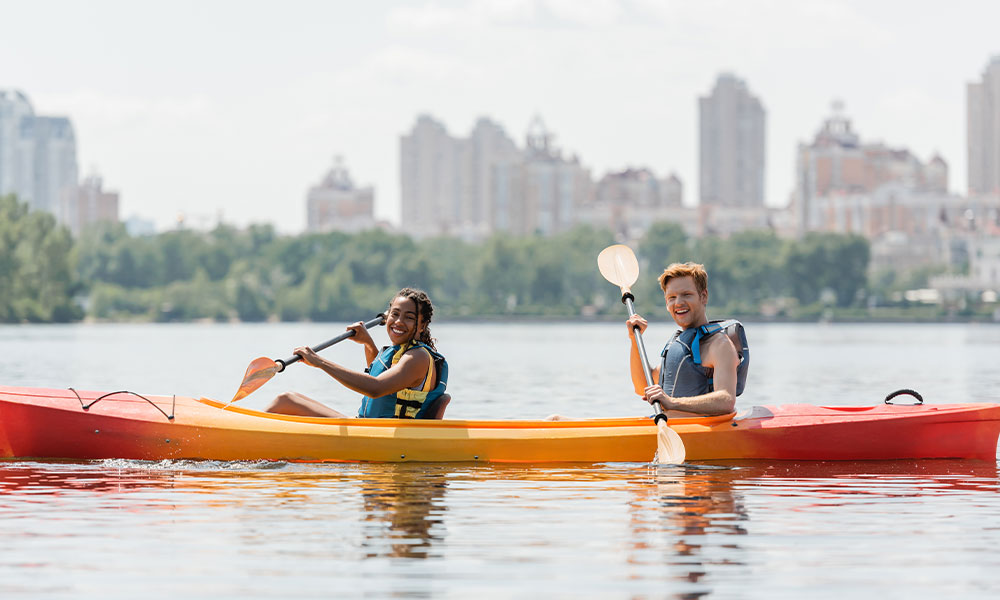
(720, 350)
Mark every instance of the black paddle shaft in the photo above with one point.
(627, 299)
(378, 320)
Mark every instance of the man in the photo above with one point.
(700, 372)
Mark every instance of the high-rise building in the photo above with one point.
(487, 148)
(430, 179)
(335, 204)
(88, 203)
(732, 145)
(55, 161)
(476, 186)
(845, 185)
(629, 201)
(553, 186)
(447, 182)
(37, 153)
(983, 132)
(16, 149)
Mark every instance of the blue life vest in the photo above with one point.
(681, 372)
(410, 403)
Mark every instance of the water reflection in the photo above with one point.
(687, 532)
(404, 508)
(693, 520)
(687, 521)
(54, 479)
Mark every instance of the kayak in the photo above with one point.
(69, 424)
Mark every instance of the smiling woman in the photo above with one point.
(405, 380)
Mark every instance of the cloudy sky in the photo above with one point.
(202, 107)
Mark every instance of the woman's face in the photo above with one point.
(401, 322)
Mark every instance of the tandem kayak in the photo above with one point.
(68, 424)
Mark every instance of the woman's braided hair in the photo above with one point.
(425, 310)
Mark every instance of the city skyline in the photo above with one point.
(226, 123)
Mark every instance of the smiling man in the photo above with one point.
(700, 371)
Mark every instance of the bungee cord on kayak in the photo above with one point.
(86, 406)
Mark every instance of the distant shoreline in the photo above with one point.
(553, 319)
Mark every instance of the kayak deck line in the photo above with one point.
(52, 424)
(471, 423)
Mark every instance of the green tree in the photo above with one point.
(36, 279)
(663, 244)
(828, 261)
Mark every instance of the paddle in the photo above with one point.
(262, 369)
(619, 266)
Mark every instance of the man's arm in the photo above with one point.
(722, 358)
(637, 364)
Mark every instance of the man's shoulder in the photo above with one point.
(720, 346)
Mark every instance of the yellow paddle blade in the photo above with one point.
(618, 265)
(669, 446)
(260, 371)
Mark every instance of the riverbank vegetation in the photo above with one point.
(254, 274)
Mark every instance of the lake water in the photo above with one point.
(124, 529)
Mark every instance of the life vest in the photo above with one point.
(410, 403)
(681, 372)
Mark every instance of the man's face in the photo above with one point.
(685, 303)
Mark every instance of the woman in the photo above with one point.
(405, 380)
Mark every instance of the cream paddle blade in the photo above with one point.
(619, 266)
(669, 445)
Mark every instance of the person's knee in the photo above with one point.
(282, 402)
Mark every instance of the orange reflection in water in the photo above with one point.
(690, 518)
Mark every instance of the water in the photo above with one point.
(265, 530)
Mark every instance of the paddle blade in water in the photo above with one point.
(669, 447)
(618, 265)
(260, 371)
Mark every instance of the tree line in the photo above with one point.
(254, 274)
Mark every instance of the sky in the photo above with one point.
(236, 108)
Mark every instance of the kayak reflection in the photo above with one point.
(404, 509)
(59, 478)
(690, 520)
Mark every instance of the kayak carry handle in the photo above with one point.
(905, 392)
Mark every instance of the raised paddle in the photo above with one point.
(262, 369)
(619, 266)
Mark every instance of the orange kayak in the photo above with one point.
(66, 424)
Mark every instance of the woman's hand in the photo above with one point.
(308, 355)
(636, 321)
(361, 335)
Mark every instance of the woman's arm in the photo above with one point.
(361, 336)
(408, 372)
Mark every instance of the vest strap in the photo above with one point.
(703, 332)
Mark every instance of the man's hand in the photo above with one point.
(655, 393)
(636, 321)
